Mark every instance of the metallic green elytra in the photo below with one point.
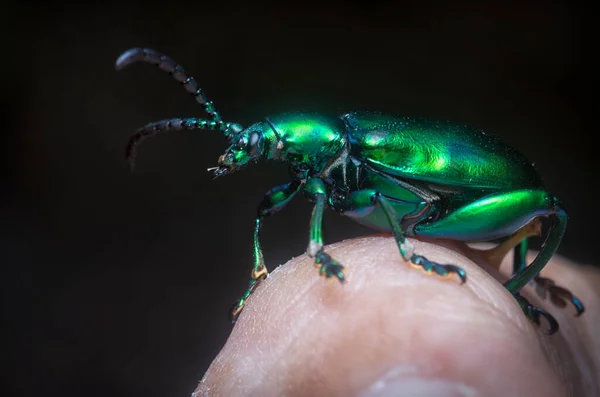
(409, 176)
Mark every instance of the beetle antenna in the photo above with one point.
(178, 124)
(176, 71)
(189, 84)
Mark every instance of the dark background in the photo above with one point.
(118, 284)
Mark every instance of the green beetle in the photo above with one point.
(409, 176)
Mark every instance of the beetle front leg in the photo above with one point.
(274, 201)
(315, 191)
(407, 249)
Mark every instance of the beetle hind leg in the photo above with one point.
(559, 296)
(534, 314)
(545, 287)
(524, 274)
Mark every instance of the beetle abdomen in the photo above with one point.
(439, 152)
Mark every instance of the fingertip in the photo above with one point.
(307, 336)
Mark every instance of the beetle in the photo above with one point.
(413, 177)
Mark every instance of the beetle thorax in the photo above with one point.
(306, 137)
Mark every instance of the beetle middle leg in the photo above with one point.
(372, 205)
(274, 201)
(407, 250)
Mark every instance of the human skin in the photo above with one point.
(392, 330)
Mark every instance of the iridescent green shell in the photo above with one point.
(438, 152)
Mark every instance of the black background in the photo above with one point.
(118, 284)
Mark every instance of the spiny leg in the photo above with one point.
(407, 249)
(275, 200)
(328, 267)
(545, 287)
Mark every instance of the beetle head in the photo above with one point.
(247, 146)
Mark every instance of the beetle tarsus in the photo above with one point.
(535, 313)
(328, 267)
(235, 311)
(441, 270)
(547, 288)
(237, 307)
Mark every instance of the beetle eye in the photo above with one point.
(254, 138)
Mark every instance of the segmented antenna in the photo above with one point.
(189, 84)
(177, 124)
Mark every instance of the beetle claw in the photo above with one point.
(559, 296)
(533, 313)
(329, 267)
(441, 270)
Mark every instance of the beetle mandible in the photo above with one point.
(415, 178)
